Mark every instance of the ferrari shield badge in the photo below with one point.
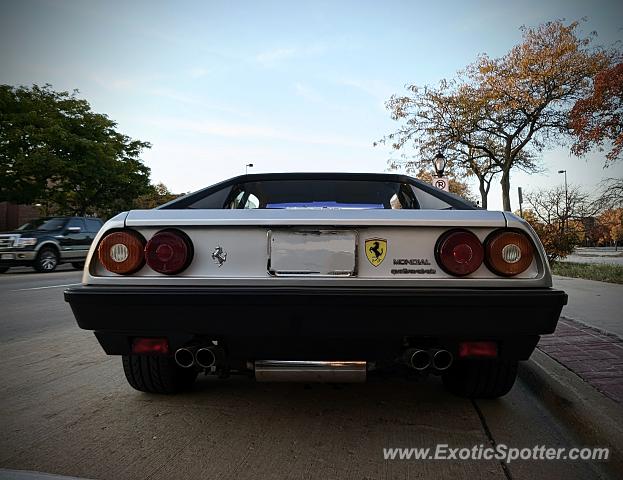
(376, 248)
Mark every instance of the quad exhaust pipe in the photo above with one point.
(420, 359)
(203, 357)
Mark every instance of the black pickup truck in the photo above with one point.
(47, 242)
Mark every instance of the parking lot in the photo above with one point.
(67, 409)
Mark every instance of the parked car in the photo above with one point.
(318, 277)
(47, 242)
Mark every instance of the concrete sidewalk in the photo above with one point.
(589, 337)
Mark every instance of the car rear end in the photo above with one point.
(317, 294)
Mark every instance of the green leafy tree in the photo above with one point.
(158, 194)
(56, 151)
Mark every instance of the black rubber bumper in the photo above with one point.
(318, 312)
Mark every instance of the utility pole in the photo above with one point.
(520, 201)
(565, 220)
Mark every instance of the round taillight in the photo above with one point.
(508, 253)
(122, 252)
(459, 252)
(169, 252)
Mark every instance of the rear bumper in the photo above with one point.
(314, 318)
(17, 257)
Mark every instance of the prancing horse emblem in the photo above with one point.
(219, 256)
(376, 248)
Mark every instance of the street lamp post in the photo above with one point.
(440, 164)
(246, 168)
(565, 220)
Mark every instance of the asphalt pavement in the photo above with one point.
(32, 303)
(65, 408)
(598, 304)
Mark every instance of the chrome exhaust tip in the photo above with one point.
(418, 359)
(205, 357)
(185, 357)
(442, 360)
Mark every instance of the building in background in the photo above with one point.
(12, 215)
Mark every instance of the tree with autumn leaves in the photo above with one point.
(566, 218)
(597, 119)
(499, 114)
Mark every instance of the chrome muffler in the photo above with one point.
(310, 371)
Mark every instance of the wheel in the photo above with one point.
(3, 269)
(78, 265)
(157, 374)
(47, 260)
(481, 378)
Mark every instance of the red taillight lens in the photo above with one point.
(459, 252)
(508, 253)
(122, 252)
(478, 349)
(169, 252)
(150, 345)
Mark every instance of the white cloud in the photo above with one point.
(270, 57)
(308, 93)
(172, 95)
(374, 88)
(198, 72)
(251, 130)
(194, 101)
(111, 82)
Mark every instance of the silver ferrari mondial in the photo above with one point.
(318, 277)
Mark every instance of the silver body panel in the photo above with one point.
(333, 217)
(244, 236)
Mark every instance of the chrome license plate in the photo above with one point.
(324, 253)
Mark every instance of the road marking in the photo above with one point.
(41, 288)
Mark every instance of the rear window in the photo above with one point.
(316, 194)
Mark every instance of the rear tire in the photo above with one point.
(157, 374)
(46, 261)
(481, 378)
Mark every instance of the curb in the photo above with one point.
(602, 331)
(595, 418)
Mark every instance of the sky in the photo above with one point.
(286, 86)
